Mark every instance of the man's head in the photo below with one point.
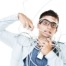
(48, 23)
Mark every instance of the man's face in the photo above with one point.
(47, 26)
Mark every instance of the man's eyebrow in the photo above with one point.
(47, 20)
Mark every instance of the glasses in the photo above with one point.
(47, 22)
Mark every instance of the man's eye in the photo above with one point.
(45, 23)
(53, 24)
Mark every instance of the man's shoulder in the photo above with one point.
(61, 45)
(58, 42)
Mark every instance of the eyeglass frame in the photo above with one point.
(41, 20)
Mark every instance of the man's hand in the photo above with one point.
(27, 23)
(45, 46)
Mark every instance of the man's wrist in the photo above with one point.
(50, 55)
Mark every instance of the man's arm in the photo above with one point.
(6, 36)
(53, 59)
(50, 55)
(5, 22)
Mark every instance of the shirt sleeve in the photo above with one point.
(53, 59)
(6, 36)
(8, 20)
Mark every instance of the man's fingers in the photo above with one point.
(27, 23)
(49, 41)
(31, 27)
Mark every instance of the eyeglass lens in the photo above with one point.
(47, 22)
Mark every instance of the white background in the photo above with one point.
(32, 8)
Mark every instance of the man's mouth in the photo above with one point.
(47, 33)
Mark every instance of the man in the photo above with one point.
(33, 52)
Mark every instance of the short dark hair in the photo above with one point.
(49, 13)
